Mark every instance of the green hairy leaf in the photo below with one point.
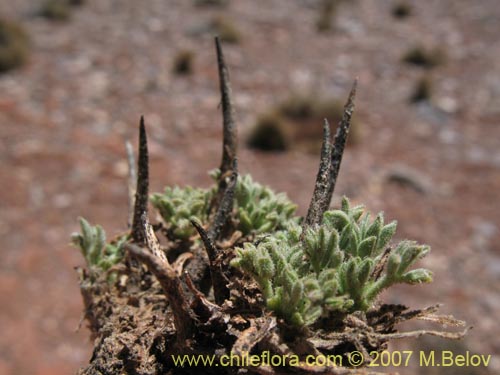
(99, 255)
(329, 269)
(258, 209)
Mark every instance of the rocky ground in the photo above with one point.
(64, 118)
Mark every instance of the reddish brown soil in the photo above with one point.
(64, 118)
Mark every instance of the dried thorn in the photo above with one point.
(132, 180)
(230, 141)
(207, 241)
(226, 204)
(171, 284)
(152, 240)
(319, 203)
(219, 281)
(340, 141)
(141, 195)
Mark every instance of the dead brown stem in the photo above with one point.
(132, 180)
(340, 141)
(171, 284)
(219, 281)
(225, 207)
(230, 141)
(141, 194)
(319, 201)
(151, 240)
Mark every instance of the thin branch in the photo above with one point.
(319, 203)
(226, 204)
(219, 281)
(340, 141)
(132, 180)
(230, 141)
(171, 284)
(141, 194)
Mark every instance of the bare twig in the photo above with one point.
(230, 142)
(141, 194)
(340, 141)
(132, 180)
(219, 281)
(171, 284)
(319, 203)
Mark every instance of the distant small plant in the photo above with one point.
(269, 133)
(327, 14)
(338, 267)
(226, 30)
(183, 62)
(299, 107)
(56, 10)
(302, 107)
(401, 10)
(14, 45)
(301, 115)
(422, 91)
(211, 2)
(425, 58)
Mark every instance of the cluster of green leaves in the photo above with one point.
(99, 255)
(177, 206)
(257, 208)
(329, 268)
